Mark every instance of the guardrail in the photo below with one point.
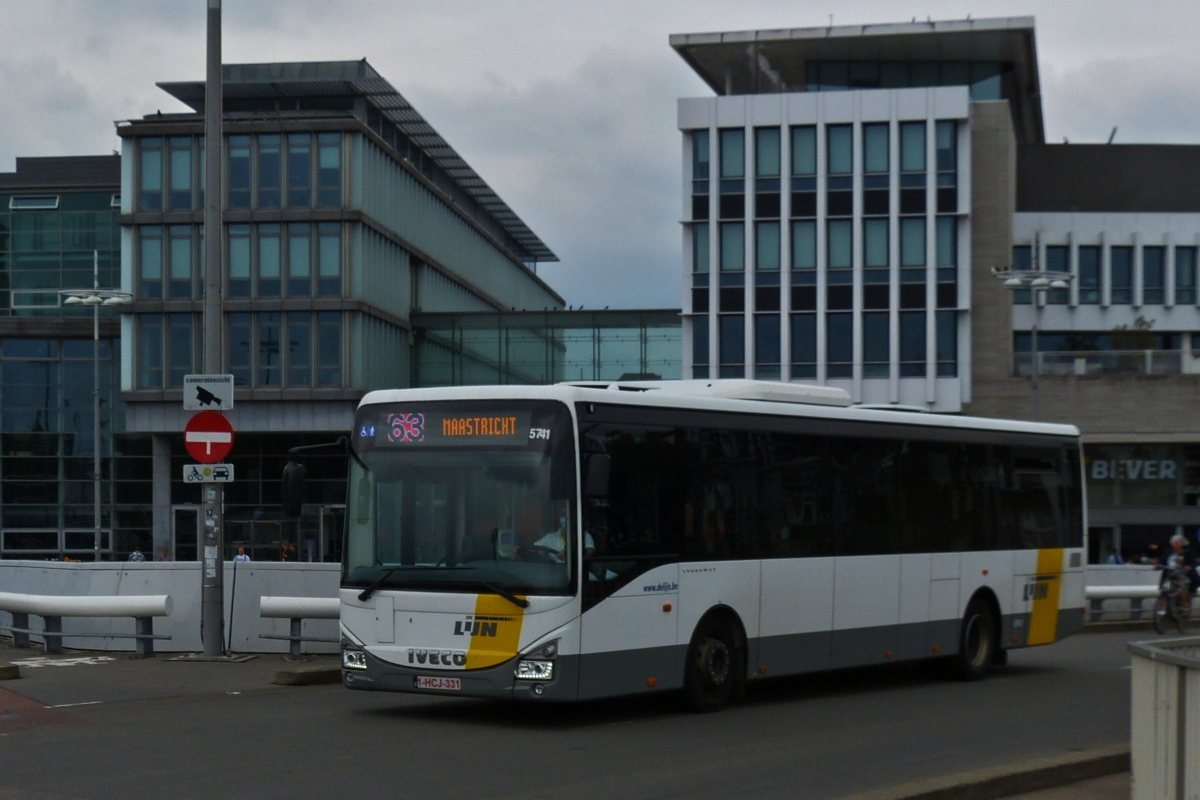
(298, 609)
(52, 609)
(1100, 362)
(1165, 724)
(1096, 595)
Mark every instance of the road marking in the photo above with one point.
(72, 705)
(46, 661)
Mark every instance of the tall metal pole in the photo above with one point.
(212, 612)
(96, 483)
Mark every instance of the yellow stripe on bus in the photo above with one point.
(498, 641)
(1043, 623)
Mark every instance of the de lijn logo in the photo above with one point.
(479, 626)
(1038, 588)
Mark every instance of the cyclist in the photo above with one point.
(1181, 562)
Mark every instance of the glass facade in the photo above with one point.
(547, 347)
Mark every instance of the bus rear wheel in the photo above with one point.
(712, 663)
(977, 645)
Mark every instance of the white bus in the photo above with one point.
(572, 542)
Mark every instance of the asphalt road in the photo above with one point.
(158, 729)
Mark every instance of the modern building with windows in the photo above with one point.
(345, 215)
(850, 191)
(59, 228)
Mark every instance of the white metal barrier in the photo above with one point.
(1096, 595)
(52, 608)
(298, 609)
(1165, 724)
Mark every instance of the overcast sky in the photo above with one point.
(567, 110)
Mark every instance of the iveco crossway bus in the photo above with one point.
(579, 541)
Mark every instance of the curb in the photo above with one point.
(9, 672)
(308, 676)
(1145, 625)
(997, 782)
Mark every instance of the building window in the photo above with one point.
(299, 169)
(733, 345)
(239, 260)
(270, 171)
(150, 351)
(329, 272)
(239, 348)
(875, 243)
(766, 346)
(912, 242)
(804, 346)
(912, 344)
(875, 147)
(839, 345)
(947, 261)
(179, 349)
(946, 139)
(268, 261)
(151, 262)
(840, 247)
(299, 260)
(766, 249)
(329, 172)
(1022, 259)
(700, 174)
(766, 152)
(1122, 275)
(181, 261)
(912, 147)
(299, 348)
(270, 350)
(1058, 260)
(876, 345)
(733, 246)
(839, 140)
(733, 153)
(181, 172)
(239, 171)
(1089, 274)
(1185, 275)
(1153, 271)
(150, 174)
(329, 359)
(700, 347)
(947, 344)
(804, 150)
(804, 245)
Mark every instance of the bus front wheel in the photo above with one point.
(977, 645)
(712, 664)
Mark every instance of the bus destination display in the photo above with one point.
(455, 429)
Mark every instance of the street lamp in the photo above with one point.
(1038, 281)
(95, 297)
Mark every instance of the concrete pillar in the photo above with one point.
(161, 452)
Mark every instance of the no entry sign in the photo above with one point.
(208, 437)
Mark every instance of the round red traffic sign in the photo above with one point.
(208, 437)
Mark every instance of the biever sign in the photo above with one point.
(1150, 469)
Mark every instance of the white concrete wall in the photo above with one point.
(182, 581)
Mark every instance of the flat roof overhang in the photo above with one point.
(772, 61)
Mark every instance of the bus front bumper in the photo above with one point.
(496, 682)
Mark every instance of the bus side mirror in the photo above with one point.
(595, 475)
(294, 475)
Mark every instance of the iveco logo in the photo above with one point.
(445, 658)
(479, 626)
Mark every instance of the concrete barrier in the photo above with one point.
(245, 584)
(1165, 719)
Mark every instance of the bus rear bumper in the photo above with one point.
(492, 682)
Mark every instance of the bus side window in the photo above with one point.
(863, 483)
(803, 497)
(1036, 497)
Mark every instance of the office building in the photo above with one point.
(59, 221)
(850, 191)
(345, 214)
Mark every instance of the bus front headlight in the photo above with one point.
(531, 670)
(354, 659)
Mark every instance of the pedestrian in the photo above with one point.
(1115, 558)
(241, 555)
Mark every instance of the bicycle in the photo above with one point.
(1174, 600)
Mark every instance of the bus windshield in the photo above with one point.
(455, 496)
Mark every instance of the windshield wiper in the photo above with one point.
(373, 587)
(505, 593)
